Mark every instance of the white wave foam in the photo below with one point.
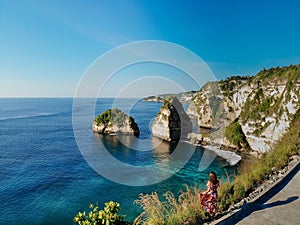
(15, 117)
(231, 157)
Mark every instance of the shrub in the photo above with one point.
(253, 174)
(107, 216)
(234, 133)
(115, 116)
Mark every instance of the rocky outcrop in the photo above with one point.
(249, 111)
(172, 123)
(115, 121)
(183, 97)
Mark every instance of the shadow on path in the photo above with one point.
(277, 203)
(259, 204)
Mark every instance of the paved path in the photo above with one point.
(279, 207)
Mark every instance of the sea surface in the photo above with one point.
(47, 176)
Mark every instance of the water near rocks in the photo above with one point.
(45, 179)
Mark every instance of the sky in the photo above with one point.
(47, 47)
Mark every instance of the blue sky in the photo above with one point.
(46, 46)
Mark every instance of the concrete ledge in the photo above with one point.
(268, 192)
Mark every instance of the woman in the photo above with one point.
(209, 198)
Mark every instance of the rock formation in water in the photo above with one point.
(115, 121)
(252, 112)
(172, 123)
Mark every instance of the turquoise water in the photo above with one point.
(45, 178)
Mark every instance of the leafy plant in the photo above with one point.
(107, 216)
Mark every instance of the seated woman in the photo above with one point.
(209, 198)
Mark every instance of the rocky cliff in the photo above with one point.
(183, 97)
(172, 123)
(115, 121)
(252, 112)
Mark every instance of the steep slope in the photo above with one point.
(249, 111)
(171, 123)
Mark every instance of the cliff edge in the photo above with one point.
(249, 112)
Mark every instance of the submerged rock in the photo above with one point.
(115, 121)
(172, 123)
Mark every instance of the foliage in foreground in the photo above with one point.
(107, 216)
(182, 210)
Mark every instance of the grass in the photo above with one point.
(251, 175)
(186, 208)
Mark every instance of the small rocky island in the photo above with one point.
(172, 123)
(115, 121)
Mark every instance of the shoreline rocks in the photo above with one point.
(226, 152)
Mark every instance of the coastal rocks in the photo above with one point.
(183, 97)
(198, 139)
(115, 121)
(261, 107)
(172, 123)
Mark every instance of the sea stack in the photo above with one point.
(172, 123)
(115, 121)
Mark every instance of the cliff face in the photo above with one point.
(172, 123)
(115, 121)
(254, 111)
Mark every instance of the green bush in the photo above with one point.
(235, 135)
(107, 216)
(253, 174)
(114, 116)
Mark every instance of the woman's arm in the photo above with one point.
(208, 188)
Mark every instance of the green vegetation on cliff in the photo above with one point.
(115, 116)
(254, 174)
(229, 85)
(235, 135)
(261, 104)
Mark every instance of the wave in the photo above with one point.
(16, 117)
(231, 157)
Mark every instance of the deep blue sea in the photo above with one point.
(46, 177)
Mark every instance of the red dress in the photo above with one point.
(209, 200)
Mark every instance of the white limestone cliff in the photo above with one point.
(172, 123)
(264, 106)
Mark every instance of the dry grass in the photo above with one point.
(251, 175)
(185, 209)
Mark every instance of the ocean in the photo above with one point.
(49, 172)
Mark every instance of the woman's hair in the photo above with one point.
(213, 179)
